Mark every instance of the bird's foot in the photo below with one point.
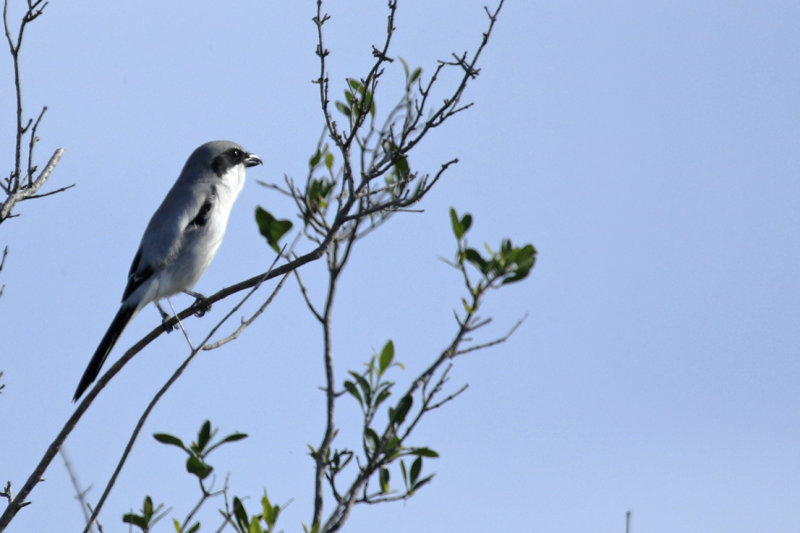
(165, 318)
(201, 304)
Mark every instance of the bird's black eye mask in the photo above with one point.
(227, 159)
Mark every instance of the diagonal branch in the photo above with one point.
(174, 377)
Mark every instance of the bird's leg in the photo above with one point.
(185, 334)
(165, 317)
(201, 304)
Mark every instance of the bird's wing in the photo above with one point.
(203, 214)
(162, 239)
(138, 274)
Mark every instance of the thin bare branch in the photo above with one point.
(308, 301)
(449, 397)
(2, 264)
(20, 184)
(80, 494)
(246, 323)
(49, 193)
(494, 342)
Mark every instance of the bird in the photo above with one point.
(180, 240)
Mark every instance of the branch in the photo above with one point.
(246, 323)
(206, 494)
(80, 495)
(21, 186)
(150, 406)
(380, 455)
(2, 264)
(494, 342)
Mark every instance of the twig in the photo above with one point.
(494, 342)
(50, 193)
(245, 323)
(308, 301)
(2, 264)
(19, 186)
(80, 495)
(206, 494)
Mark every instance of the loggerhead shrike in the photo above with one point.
(181, 239)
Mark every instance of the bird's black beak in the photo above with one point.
(252, 160)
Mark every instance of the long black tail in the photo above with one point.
(124, 315)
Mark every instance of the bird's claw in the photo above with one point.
(201, 306)
(165, 318)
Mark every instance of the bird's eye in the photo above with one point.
(236, 154)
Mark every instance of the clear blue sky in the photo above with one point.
(650, 151)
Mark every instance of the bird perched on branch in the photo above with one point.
(181, 239)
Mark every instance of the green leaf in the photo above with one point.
(343, 108)
(356, 85)
(271, 228)
(416, 467)
(166, 438)
(393, 447)
(329, 160)
(240, 514)
(270, 512)
(311, 451)
(366, 389)
(136, 520)
(475, 258)
(313, 529)
(266, 507)
(519, 261)
(466, 222)
(401, 165)
(520, 275)
(458, 229)
(404, 472)
(405, 66)
(398, 414)
(255, 526)
(316, 196)
(314, 161)
(424, 452)
(196, 466)
(203, 436)
(147, 508)
(194, 529)
(371, 438)
(384, 393)
(384, 478)
(351, 388)
(233, 438)
(386, 357)
(415, 75)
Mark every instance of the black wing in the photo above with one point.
(137, 275)
(201, 218)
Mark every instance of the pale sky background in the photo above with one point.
(649, 150)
